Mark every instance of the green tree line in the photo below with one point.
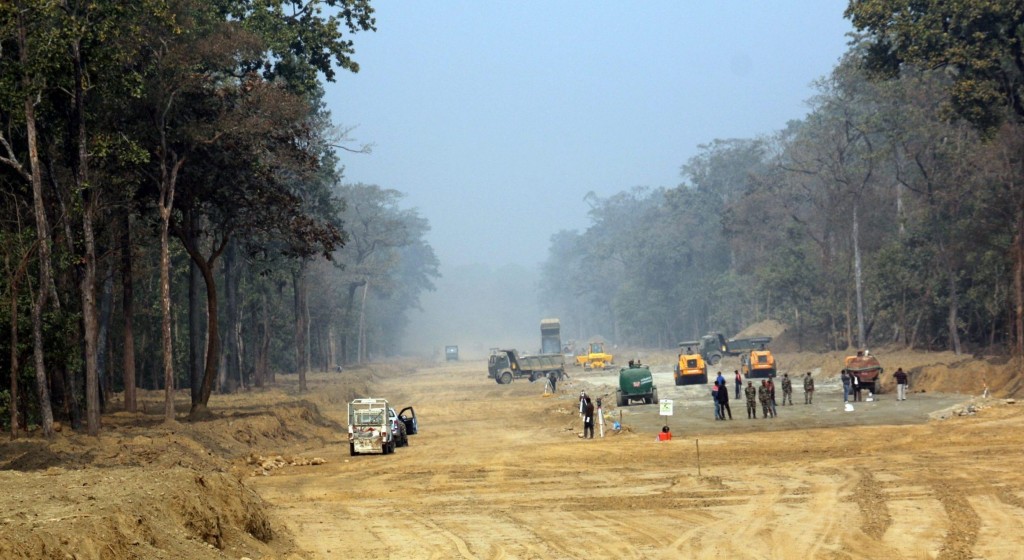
(174, 214)
(892, 213)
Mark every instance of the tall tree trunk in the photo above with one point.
(196, 332)
(168, 180)
(128, 312)
(362, 324)
(301, 325)
(43, 235)
(15, 279)
(89, 202)
(103, 340)
(233, 359)
(858, 277)
(199, 408)
(952, 319)
(264, 343)
(348, 320)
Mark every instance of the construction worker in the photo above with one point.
(588, 418)
(751, 394)
(808, 389)
(901, 384)
(765, 398)
(787, 389)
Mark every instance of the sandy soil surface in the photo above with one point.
(499, 471)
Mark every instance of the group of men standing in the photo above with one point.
(765, 394)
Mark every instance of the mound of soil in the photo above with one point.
(146, 489)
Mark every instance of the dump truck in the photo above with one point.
(759, 363)
(368, 427)
(503, 366)
(593, 356)
(867, 369)
(636, 383)
(714, 346)
(691, 369)
(550, 336)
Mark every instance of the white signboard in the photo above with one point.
(665, 407)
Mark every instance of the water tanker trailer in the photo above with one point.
(636, 383)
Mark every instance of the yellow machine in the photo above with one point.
(759, 363)
(594, 357)
(691, 368)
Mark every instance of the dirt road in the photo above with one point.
(498, 471)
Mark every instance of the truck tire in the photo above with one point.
(352, 449)
(877, 385)
(654, 396)
(504, 378)
(714, 359)
(620, 400)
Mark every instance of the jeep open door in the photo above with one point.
(408, 417)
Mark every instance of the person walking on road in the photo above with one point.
(808, 389)
(901, 384)
(845, 377)
(787, 389)
(763, 396)
(855, 384)
(718, 403)
(553, 378)
(751, 394)
(588, 418)
(723, 400)
(739, 383)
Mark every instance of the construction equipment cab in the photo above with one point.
(759, 363)
(691, 368)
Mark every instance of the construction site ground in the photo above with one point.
(500, 471)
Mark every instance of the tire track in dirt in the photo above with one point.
(964, 521)
(871, 501)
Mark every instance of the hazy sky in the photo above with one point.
(497, 117)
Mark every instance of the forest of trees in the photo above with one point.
(893, 213)
(174, 213)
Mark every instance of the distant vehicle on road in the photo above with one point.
(451, 353)
(505, 365)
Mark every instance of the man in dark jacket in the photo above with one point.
(723, 400)
(588, 418)
(901, 384)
